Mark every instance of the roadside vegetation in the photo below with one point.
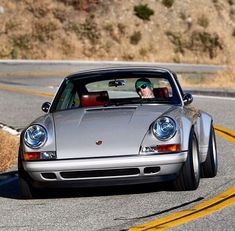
(223, 80)
(158, 31)
(8, 150)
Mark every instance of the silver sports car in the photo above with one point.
(117, 126)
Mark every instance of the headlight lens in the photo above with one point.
(164, 128)
(35, 136)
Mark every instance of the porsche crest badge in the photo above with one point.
(99, 142)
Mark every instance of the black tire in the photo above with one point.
(26, 189)
(189, 176)
(210, 166)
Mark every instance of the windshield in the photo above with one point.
(100, 91)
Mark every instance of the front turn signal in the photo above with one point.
(47, 155)
(168, 148)
(31, 156)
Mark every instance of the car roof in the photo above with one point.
(121, 70)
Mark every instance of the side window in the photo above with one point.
(68, 98)
(75, 100)
(177, 82)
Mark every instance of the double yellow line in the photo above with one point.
(210, 206)
(225, 133)
(220, 201)
(25, 91)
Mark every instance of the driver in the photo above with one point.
(144, 88)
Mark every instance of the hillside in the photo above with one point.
(190, 31)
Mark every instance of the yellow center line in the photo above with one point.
(35, 73)
(220, 201)
(25, 91)
(210, 206)
(225, 133)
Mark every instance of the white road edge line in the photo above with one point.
(214, 97)
(10, 130)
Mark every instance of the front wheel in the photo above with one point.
(210, 166)
(25, 188)
(189, 176)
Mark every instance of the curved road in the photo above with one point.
(118, 208)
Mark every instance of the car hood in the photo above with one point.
(101, 132)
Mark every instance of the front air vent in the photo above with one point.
(151, 170)
(101, 173)
(49, 175)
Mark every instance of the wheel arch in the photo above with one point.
(203, 128)
(185, 131)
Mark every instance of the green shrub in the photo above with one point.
(121, 28)
(206, 42)
(128, 57)
(3, 52)
(231, 2)
(168, 3)
(183, 15)
(135, 37)
(85, 5)
(233, 33)
(14, 54)
(44, 30)
(88, 29)
(178, 40)
(113, 31)
(60, 14)
(10, 26)
(22, 41)
(143, 12)
(39, 9)
(109, 27)
(143, 51)
(203, 21)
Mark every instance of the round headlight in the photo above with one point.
(164, 128)
(35, 136)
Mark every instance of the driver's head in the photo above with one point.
(142, 83)
(144, 88)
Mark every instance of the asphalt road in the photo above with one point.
(117, 208)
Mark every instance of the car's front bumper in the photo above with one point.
(102, 171)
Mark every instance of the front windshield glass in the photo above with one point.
(127, 90)
(107, 91)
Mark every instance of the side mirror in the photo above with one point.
(46, 106)
(187, 98)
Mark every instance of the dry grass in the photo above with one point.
(223, 80)
(220, 80)
(103, 30)
(8, 150)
